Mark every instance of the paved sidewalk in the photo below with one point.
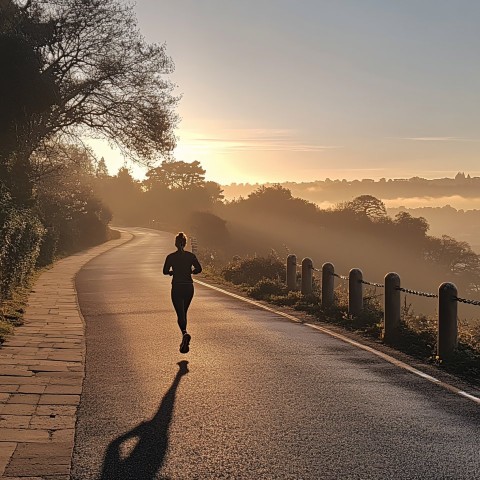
(41, 374)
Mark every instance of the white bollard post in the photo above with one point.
(392, 312)
(328, 285)
(307, 276)
(292, 272)
(447, 336)
(355, 292)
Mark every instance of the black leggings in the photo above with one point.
(182, 294)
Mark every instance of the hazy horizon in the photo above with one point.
(287, 90)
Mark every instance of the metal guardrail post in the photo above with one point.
(292, 272)
(355, 291)
(328, 284)
(447, 339)
(391, 315)
(307, 276)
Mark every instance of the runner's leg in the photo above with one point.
(179, 305)
(187, 300)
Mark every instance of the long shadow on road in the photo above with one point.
(146, 458)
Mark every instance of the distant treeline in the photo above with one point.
(461, 224)
(358, 233)
(335, 191)
(173, 195)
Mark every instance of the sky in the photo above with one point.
(300, 90)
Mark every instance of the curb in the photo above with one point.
(42, 367)
(388, 358)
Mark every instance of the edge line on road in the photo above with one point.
(339, 336)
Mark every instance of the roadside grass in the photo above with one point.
(418, 333)
(13, 308)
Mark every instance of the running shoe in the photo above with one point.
(184, 346)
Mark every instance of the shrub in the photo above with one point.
(465, 362)
(266, 288)
(371, 316)
(21, 234)
(288, 300)
(5, 329)
(250, 271)
(310, 303)
(48, 248)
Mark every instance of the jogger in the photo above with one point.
(181, 264)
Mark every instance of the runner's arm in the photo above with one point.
(167, 266)
(197, 268)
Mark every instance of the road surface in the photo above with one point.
(260, 397)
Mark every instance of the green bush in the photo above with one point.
(288, 300)
(250, 271)
(48, 249)
(465, 362)
(310, 303)
(21, 234)
(5, 330)
(266, 288)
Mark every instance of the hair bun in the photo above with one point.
(181, 238)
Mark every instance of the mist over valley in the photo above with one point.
(450, 205)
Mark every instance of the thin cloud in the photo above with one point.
(255, 140)
(440, 139)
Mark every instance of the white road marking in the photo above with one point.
(341, 337)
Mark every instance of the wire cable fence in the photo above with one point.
(420, 294)
(373, 284)
(404, 290)
(468, 302)
(448, 299)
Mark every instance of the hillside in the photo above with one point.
(334, 191)
(450, 205)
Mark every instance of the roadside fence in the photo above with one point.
(447, 332)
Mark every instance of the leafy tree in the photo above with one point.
(275, 201)
(176, 175)
(123, 195)
(73, 216)
(26, 93)
(101, 170)
(270, 195)
(77, 67)
(210, 229)
(215, 191)
(174, 190)
(415, 226)
(368, 206)
(457, 256)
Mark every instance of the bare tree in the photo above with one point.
(97, 76)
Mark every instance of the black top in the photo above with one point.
(180, 264)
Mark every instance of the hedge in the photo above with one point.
(21, 234)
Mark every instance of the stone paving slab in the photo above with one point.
(41, 376)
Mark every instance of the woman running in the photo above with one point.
(181, 264)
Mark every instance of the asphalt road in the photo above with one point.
(260, 398)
